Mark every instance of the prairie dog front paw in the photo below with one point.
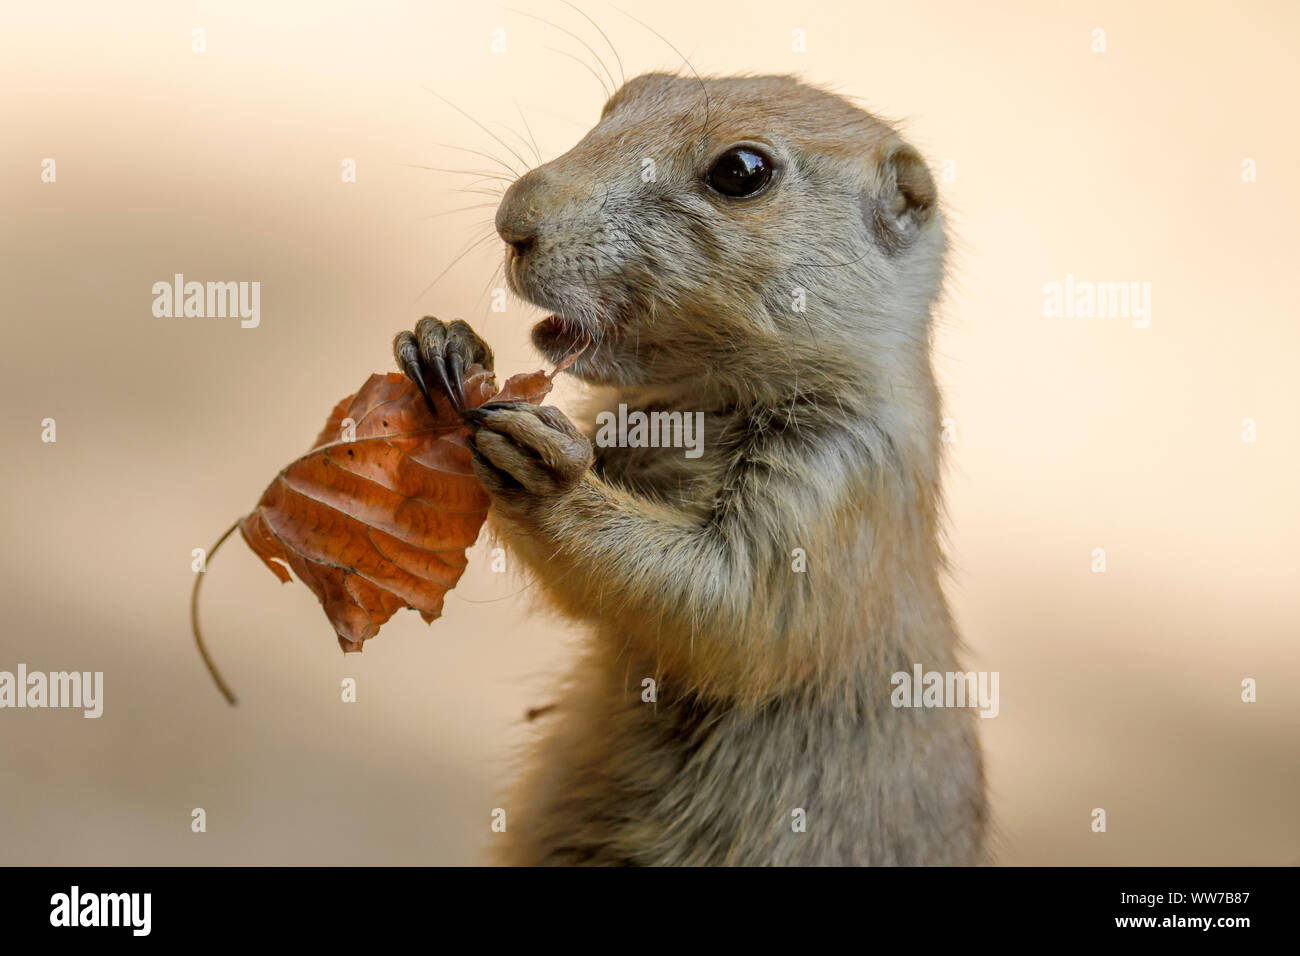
(439, 352)
(526, 455)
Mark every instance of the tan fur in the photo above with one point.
(821, 433)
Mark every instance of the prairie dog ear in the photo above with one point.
(904, 198)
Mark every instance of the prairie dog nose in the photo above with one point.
(519, 215)
(518, 244)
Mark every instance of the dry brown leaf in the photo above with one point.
(381, 521)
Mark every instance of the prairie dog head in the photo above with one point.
(712, 230)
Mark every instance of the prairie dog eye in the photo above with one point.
(740, 172)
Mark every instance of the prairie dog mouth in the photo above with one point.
(556, 337)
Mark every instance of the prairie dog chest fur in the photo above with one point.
(743, 608)
(649, 446)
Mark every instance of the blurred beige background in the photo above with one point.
(1119, 690)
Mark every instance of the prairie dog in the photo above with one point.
(767, 254)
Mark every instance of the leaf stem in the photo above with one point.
(222, 686)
